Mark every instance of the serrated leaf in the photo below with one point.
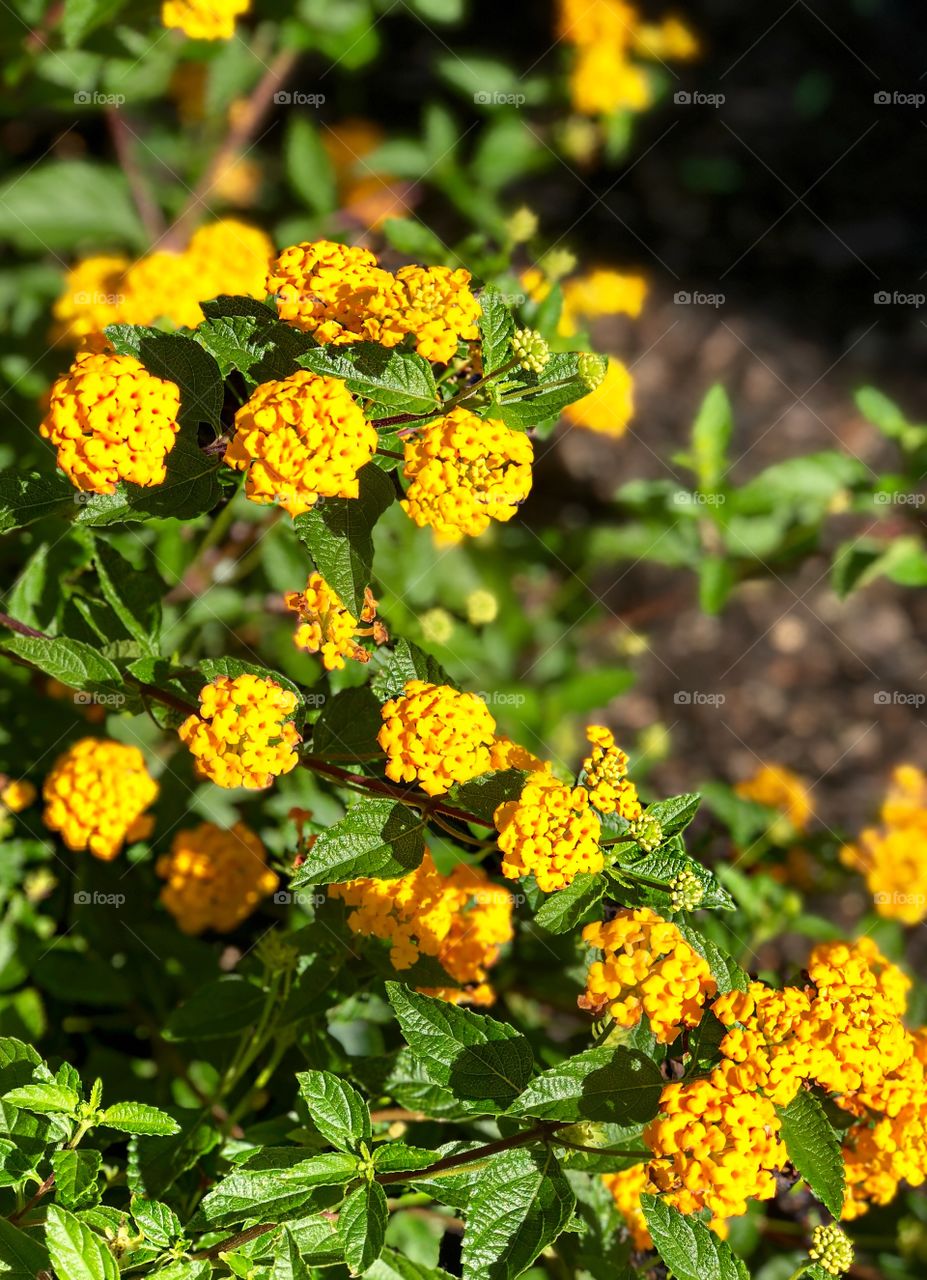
(814, 1149)
(191, 488)
(399, 380)
(676, 813)
(139, 1117)
(663, 865)
(362, 1225)
(396, 1266)
(563, 911)
(348, 726)
(44, 1098)
(74, 663)
(27, 498)
(309, 1185)
(134, 595)
(76, 1177)
(405, 662)
(549, 394)
(21, 1255)
(688, 1247)
(157, 1222)
(520, 1205)
(725, 970)
(377, 837)
(218, 1009)
(496, 329)
(75, 1252)
(482, 795)
(398, 1157)
(613, 1085)
(180, 360)
(338, 534)
(476, 1056)
(338, 1111)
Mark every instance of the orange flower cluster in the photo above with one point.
(215, 878)
(243, 735)
(436, 736)
(328, 628)
(550, 832)
(891, 856)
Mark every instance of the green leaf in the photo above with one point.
(60, 204)
(288, 1263)
(22, 1257)
(688, 1247)
(546, 401)
(180, 360)
(414, 240)
(614, 1085)
(81, 17)
(139, 1117)
(496, 328)
(338, 1111)
(476, 1056)
(663, 865)
(278, 1193)
(814, 1149)
(75, 1252)
(377, 837)
(309, 168)
(564, 911)
(399, 380)
(74, 663)
(134, 595)
(218, 1009)
(348, 726)
(481, 796)
(676, 813)
(157, 1222)
(338, 533)
(362, 1224)
(396, 1266)
(76, 1175)
(401, 664)
(44, 1099)
(520, 1205)
(398, 1157)
(244, 334)
(716, 581)
(725, 970)
(889, 418)
(711, 436)
(27, 498)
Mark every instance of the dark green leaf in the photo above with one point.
(399, 380)
(725, 970)
(216, 1010)
(60, 204)
(134, 595)
(482, 796)
(74, 663)
(338, 534)
(663, 865)
(81, 17)
(562, 912)
(22, 1257)
(348, 726)
(496, 328)
(404, 663)
(26, 498)
(309, 168)
(180, 360)
(614, 1085)
(520, 1205)
(688, 1247)
(139, 1117)
(338, 1111)
(476, 1056)
(814, 1149)
(190, 489)
(362, 1225)
(675, 813)
(278, 1193)
(377, 837)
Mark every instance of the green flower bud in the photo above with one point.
(592, 369)
(647, 832)
(522, 225)
(530, 349)
(686, 891)
(831, 1249)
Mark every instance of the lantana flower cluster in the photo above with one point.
(892, 855)
(96, 794)
(204, 19)
(434, 736)
(215, 877)
(465, 472)
(461, 919)
(777, 787)
(243, 734)
(327, 627)
(109, 420)
(223, 257)
(340, 294)
(647, 968)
